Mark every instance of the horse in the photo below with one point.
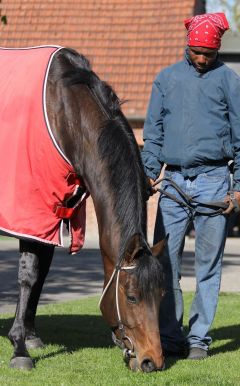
(92, 133)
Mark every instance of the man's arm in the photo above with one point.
(153, 133)
(233, 100)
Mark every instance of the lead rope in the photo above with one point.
(217, 207)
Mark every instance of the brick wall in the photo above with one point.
(127, 41)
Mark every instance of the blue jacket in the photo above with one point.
(193, 120)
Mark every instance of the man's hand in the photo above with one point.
(231, 206)
(151, 188)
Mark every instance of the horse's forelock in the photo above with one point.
(149, 275)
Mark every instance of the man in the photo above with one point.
(193, 126)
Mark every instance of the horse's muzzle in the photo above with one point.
(147, 365)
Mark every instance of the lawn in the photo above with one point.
(79, 351)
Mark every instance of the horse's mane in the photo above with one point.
(127, 176)
(81, 73)
(117, 148)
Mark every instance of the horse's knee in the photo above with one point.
(27, 277)
(28, 269)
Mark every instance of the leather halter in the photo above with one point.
(127, 353)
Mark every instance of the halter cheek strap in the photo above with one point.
(128, 353)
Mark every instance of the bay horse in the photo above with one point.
(92, 132)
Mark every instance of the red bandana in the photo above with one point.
(206, 30)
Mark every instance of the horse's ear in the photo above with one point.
(134, 245)
(157, 249)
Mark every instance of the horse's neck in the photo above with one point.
(76, 129)
(108, 226)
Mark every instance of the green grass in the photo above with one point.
(79, 351)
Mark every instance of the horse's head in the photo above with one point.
(130, 305)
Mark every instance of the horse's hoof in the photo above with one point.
(23, 363)
(34, 343)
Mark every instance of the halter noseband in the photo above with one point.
(127, 353)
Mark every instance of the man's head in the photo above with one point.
(202, 58)
(204, 34)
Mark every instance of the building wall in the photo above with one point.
(92, 228)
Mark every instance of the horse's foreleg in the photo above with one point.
(28, 276)
(45, 254)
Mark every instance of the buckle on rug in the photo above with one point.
(63, 211)
(73, 202)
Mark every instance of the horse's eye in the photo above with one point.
(131, 299)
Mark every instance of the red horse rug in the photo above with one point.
(36, 178)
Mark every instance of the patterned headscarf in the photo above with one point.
(206, 30)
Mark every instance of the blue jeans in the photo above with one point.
(211, 231)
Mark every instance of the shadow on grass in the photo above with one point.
(229, 333)
(74, 332)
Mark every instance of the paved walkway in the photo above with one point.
(81, 275)
(231, 266)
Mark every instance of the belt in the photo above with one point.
(173, 168)
(176, 168)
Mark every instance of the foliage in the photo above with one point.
(230, 7)
(3, 18)
(79, 351)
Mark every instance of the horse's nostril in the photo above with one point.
(147, 366)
